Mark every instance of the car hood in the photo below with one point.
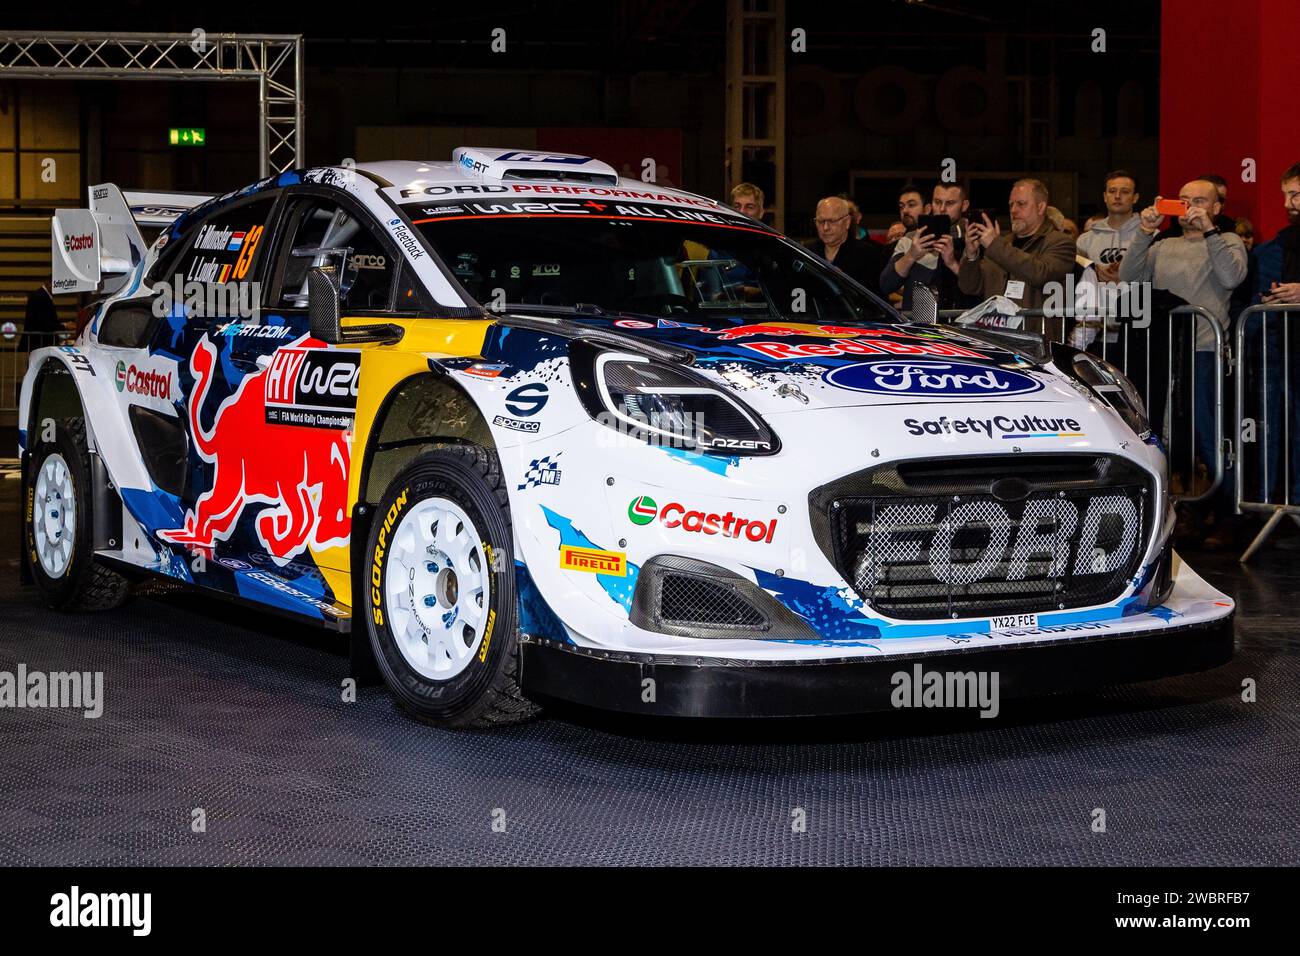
(784, 366)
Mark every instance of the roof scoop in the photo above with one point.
(515, 165)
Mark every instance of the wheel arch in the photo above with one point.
(422, 410)
(52, 392)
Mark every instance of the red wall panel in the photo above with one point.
(1228, 93)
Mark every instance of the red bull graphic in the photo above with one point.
(301, 472)
(813, 331)
(856, 346)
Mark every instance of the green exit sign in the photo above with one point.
(187, 136)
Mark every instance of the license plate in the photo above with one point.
(1009, 621)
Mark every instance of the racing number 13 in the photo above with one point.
(246, 253)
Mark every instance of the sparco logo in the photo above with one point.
(77, 243)
(934, 379)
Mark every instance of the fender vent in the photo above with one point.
(164, 447)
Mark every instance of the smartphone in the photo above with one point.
(937, 225)
(976, 216)
(1171, 207)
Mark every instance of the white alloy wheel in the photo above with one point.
(438, 589)
(54, 516)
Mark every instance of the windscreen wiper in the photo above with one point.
(610, 337)
(581, 308)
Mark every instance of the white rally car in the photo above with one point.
(531, 431)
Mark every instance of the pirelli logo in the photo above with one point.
(594, 561)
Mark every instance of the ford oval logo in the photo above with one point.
(932, 379)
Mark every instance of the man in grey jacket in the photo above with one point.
(1201, 266)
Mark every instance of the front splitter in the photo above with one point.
(714, 687)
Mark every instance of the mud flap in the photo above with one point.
(362, 666)
(24, 569)
(108, 508)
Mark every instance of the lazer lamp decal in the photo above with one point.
(316, 388)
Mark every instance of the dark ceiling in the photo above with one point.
(613, 35)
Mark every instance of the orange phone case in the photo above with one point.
(1171, 207)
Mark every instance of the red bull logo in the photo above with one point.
(810, 331)
(791, 328)
(301, 473)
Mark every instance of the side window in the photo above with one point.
(222, 256)
(128, 325)
(326, 234)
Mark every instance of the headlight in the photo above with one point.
(1113, 387)
(665, 405)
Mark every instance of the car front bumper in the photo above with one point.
(716, 687)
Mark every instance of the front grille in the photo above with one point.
(997, 535)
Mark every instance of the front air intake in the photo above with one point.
(689, 598)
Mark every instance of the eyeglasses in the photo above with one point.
(827, 222)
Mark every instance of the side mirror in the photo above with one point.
(323, 306)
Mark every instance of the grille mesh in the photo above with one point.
(687, 599)
(1074, 539)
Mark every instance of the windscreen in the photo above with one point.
(644, 259)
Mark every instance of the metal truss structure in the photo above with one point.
(275, 63)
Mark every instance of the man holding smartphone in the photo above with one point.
(927, 254)
(1020, 263)
(1201, 267)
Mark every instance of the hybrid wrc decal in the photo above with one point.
(554, 433)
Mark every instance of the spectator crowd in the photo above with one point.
(942, 254)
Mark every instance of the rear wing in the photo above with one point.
(95, 249)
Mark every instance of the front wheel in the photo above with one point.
(441, 591)
(59, 521)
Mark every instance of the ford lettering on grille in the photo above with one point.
(972, 555)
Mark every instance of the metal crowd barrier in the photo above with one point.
(1139, 341)
(1264, 437)
(14, 349)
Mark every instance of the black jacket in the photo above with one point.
(1289, 239)
(860, 258)
(41, 316)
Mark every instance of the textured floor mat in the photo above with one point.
(206, 708)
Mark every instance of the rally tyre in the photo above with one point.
(440, 591)
(59, 522)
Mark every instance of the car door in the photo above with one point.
(212, 290)
(310, 386)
